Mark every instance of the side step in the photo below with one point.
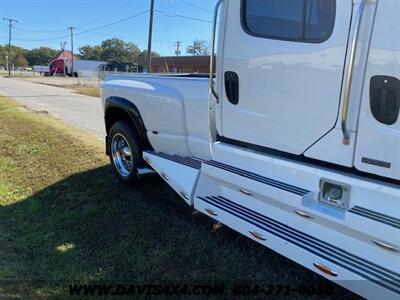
(278, 203)
(179, 172)
(337, 264)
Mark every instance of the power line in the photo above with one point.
(121, 36)
(39, 31)
(57, 17)
(86, 31)
(117, 22)
(104, 15)
(113, 23)
(195, 6)
(129, 37)
(167, 30)
(181, 16)
(43, 40)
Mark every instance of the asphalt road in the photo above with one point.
(74, 109)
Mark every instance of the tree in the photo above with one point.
(21, 61)
(91, 52)
(113, 49)
(142, 59)
(3, 54)
(199, 47)
(22, 57)
(17, 52)
(40, 56)
(117, 50)
(132, 53)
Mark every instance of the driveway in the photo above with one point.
(74, 109)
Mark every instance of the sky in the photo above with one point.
(45, 22)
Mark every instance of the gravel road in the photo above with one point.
(74, 109)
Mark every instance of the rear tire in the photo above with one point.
(124, 151)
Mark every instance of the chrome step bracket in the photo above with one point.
(311, 201)
(146, 172)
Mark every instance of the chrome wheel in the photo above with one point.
(122, 155)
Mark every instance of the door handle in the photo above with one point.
(385, 99)
(232, 87)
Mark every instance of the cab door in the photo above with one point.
(378, 137)
(283, 66)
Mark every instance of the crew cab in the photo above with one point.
(293, 140)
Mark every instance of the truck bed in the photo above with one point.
(173, 107)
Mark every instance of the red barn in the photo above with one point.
(60, 62)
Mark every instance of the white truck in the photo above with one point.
(294, 141)
(81, 65)
(45, 70)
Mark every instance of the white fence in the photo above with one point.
(89, 78)
(95, 78)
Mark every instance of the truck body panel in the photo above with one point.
(41, 69)
(303, 76)
(85, 65)
(378, 143)
(174, 110)
(295, 143)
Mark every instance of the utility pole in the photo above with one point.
(10, 22)
(63, 44)
(178, 51)
(150, 36)
(72, 49)
(194, 48)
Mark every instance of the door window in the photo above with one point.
(298, 20)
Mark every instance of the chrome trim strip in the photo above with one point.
(257, 235)
(143, 172)
(212, 58)
(211, 212)
(246, 192)
(184, 195)
(163, 175)
(296, 232)
(385, 246)
(349, 78)
(303, 214)
(272, 182)
(373, 215)
(366, 269)
(192, 162)
(324, 269)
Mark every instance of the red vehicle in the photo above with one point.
(59, 64)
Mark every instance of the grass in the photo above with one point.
(64, 217)
(14, 74)
(88, 91)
